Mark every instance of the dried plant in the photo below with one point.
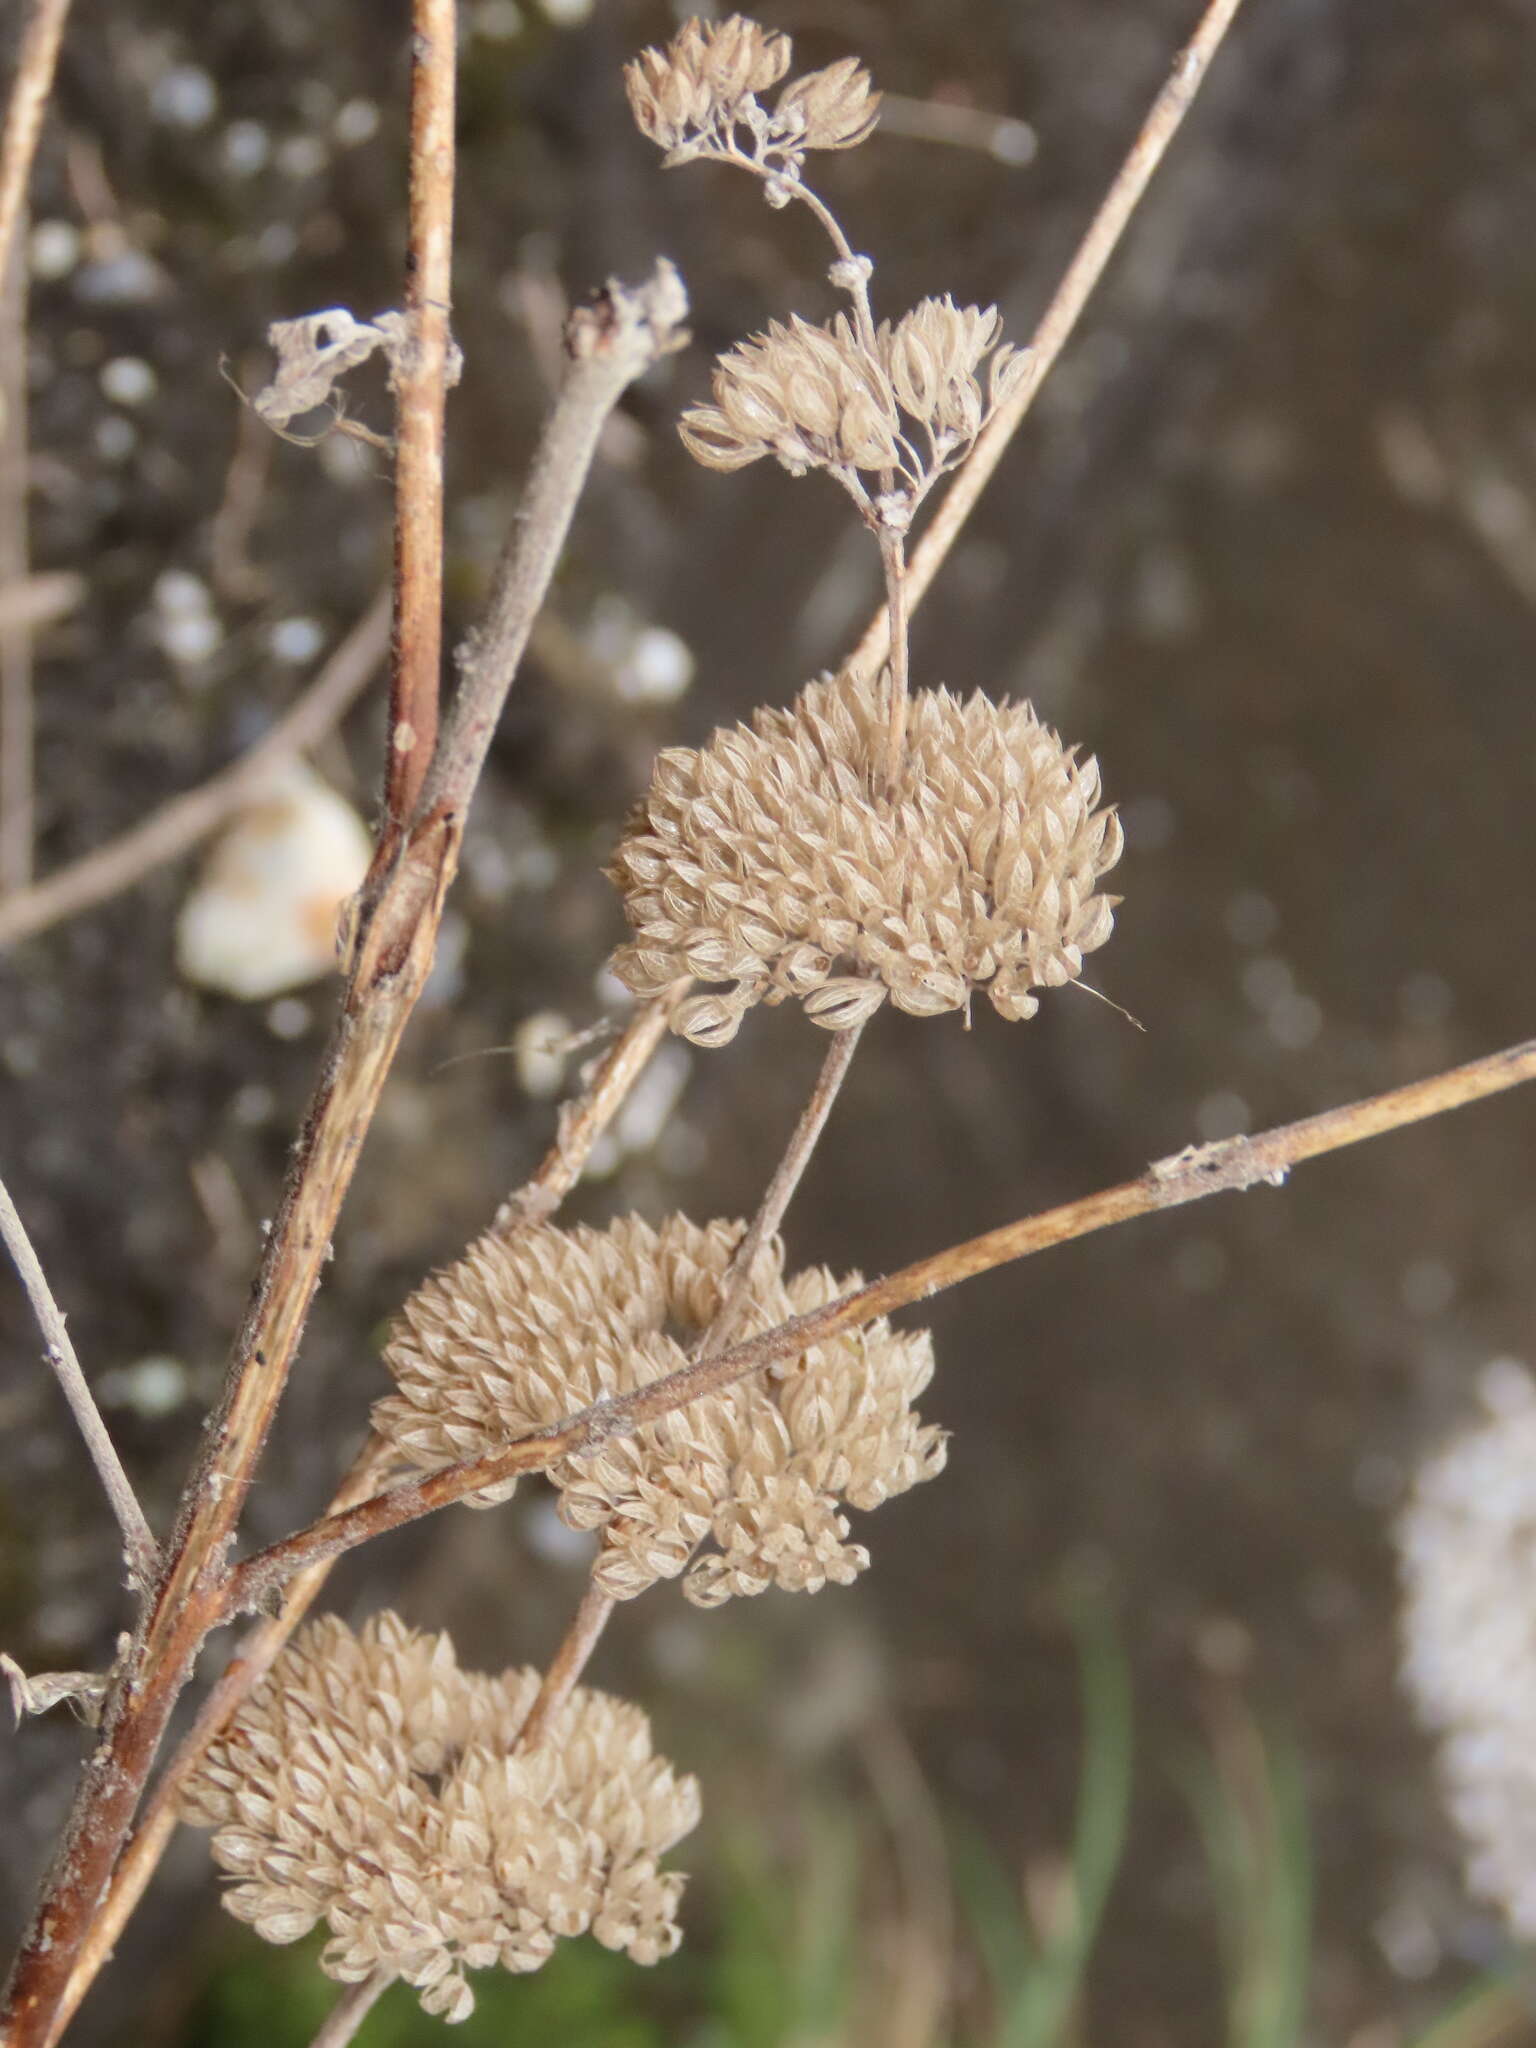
(705, 1413)
(370, 1783)
(778, 854)
(524, 1331)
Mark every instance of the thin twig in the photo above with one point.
(893, 562)
(23, 124)
(139, 1546)
(1060, 317)
(421, 387)
(568, 1663)
(352, 2008)
(586, 1116)
(735, 1292)
(1230, 1166)
(178, 825)
(605, 342)
(17, 719)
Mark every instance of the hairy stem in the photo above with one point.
(139, 1546)
(1231, 1166)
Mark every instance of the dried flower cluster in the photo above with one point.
(370, 1783)
(1467, 1542)
(776, 858)
(524, 1330)
(698, 98)
(817, 398)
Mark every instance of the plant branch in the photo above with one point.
(586, 1116)
(591, 1616)
(352, 2008)
(567, 1664)
(17, 712)
(139, 1546)
(1198, 1171)
(36, 58)
(250, 1664)
(583, 1121)
(1061, 316)
(608, 342)
(735, 1290)
(613, 342)
(893, 561)
(178, 825)
(420, 378)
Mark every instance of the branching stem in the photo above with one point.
(1231, 1166)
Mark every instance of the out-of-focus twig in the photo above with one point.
(1009, 140)
(140, 1548)
(38, 600)
(17, 719)
(1060, 317)
(178, 825)
(36, 58)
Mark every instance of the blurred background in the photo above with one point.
(1108, 1745)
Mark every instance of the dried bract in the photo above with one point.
(816, 398)
(831, 109)
(1467, 1542)
(524, 1330)
(703, 78)
(370, 1783)
(778, 859)
(693, 97)
(808, 395)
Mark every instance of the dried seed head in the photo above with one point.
(370, 1783)
(830, 109)
(703, 78)
(776, 858)
(524, 1330)
(1467, 1546)
(809, 395)
(816, 398)
(933, 355)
